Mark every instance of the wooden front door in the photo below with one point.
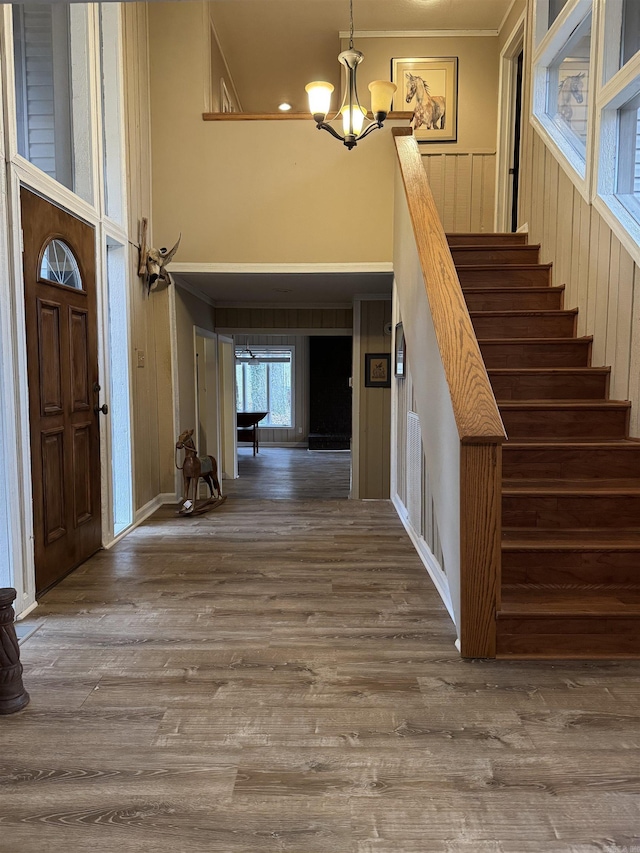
(62, 361)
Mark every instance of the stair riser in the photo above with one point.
(533, 277)
(518, 299)
(560, 423)
(491, 255)
(566, 354)
(572, 463)
(564, 636)
(561, 512)
(571, 567)
(549, 386)
(552, 326)
(487, 239)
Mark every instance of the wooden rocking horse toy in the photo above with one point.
(193, 468)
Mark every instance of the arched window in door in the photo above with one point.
(59, 265)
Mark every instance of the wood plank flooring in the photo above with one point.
(280, 675)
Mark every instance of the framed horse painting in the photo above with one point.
(429, 87)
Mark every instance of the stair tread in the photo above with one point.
(587, 339)
(489, 246)
(503, 267)
(564, 404)
(590, 539)
(505, 288)
(586, 600)
(556, 371)
(525, 312)
(617, 486)
(567, 444)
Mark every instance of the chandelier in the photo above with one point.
(353, 114)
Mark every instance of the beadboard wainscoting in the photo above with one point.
(463, 187)
(599, 274)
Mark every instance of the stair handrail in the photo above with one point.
(474, 404)
(462, 431)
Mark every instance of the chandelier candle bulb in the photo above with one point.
(319, 98)
(382, 92)
(352, 120)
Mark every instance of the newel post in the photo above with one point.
(480, 547)
(13, 696)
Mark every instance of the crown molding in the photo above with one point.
(419, 34)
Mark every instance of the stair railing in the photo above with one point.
(462, 431)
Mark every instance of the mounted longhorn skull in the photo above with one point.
(153, 262)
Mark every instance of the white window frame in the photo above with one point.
(277, 348)
(579, 170)
(611, 97)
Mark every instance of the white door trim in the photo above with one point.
(506, 123)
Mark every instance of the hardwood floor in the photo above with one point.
(280, 675)
(291, 474)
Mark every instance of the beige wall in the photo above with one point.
(259, 192)
(600, 276)
(152, 387)
(219, 72)
(373, 421)
(462, 174)
(190, 312)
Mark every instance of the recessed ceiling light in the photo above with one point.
(284, 107)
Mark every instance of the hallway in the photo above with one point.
(281, 676)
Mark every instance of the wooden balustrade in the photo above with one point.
(468, 468)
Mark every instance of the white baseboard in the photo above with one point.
(143, 514)
(424, 552)
(26, 611)
(151, 506)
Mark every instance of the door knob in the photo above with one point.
(103, 408)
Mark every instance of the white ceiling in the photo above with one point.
(282, 288)
(274, 47)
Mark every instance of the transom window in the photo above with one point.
(51, 65)
(59, 265)
(264, 383)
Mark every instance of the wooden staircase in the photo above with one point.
(570, 584)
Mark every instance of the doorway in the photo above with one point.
(510, 131)
(62, 369)
(514, 170)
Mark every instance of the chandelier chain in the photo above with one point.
(350, 24)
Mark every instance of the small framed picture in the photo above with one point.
(399, 351)
(377, 370)
(429, 87)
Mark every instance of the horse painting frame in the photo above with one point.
(429, 86)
